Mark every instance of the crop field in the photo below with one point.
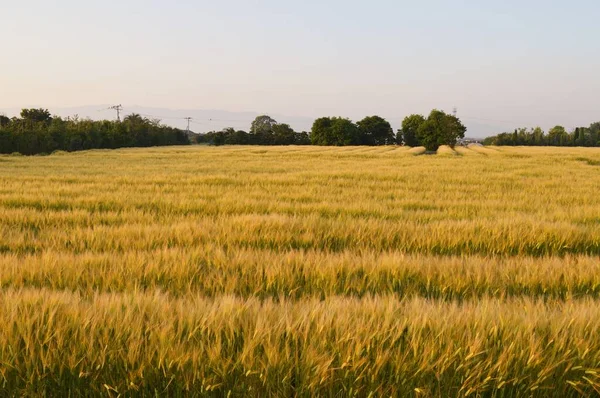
(301, 271)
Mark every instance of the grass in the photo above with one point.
(301, 271)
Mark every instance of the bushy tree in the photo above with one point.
(558, 136)
(375, 130)
(334, 131)
(4, 120)
(283, 134)
(537, 137)
(302, 138)
(261, 130)
(440, 129)
(240, 137)
(407, 135)
(36, 115)
(320, 132)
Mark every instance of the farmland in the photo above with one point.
(301, 271)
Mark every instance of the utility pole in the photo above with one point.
(188, 124)
(117, 108)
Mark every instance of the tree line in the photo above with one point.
(557, 136)
(264, 131)
(437, 129)
(36, 131)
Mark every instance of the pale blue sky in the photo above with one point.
(502, 63)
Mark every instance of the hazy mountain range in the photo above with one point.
(204, 120)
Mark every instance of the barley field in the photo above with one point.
(301, 271)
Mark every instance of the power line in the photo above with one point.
(208, 120)
(189, 119)
(489, 120)
(162, 117)
(200, 123)
(227, 120)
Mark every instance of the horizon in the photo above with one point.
(503, 66)
(207, 120)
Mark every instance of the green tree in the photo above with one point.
(594, 134)
(261, 130)
(410, 126)
(320, 132)
(558, 136)
(375, 130)
(334, 131)
(302, 138)
(37, 132)
(576, 136)
(440, 129)
(135, 119)
(241, 138)
(538, 136)
(36, 115)
(4, 120)
(283, 134)
(454, 130)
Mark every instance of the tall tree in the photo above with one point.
(558, 136)
(538, 136)
(261, 130)
(320, 132)
(410, 126)
(375, 130)
(594, 134)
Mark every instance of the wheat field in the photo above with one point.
(301, 271)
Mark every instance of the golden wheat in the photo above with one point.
(301, 271)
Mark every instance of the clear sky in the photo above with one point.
(501, 63)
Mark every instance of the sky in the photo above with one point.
(502, 64)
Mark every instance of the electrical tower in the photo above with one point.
(117, 108)
(188, 124)
(454, 111)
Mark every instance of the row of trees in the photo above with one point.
(264, 131)
(37, 131)
(557, 136)
(437, 129)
